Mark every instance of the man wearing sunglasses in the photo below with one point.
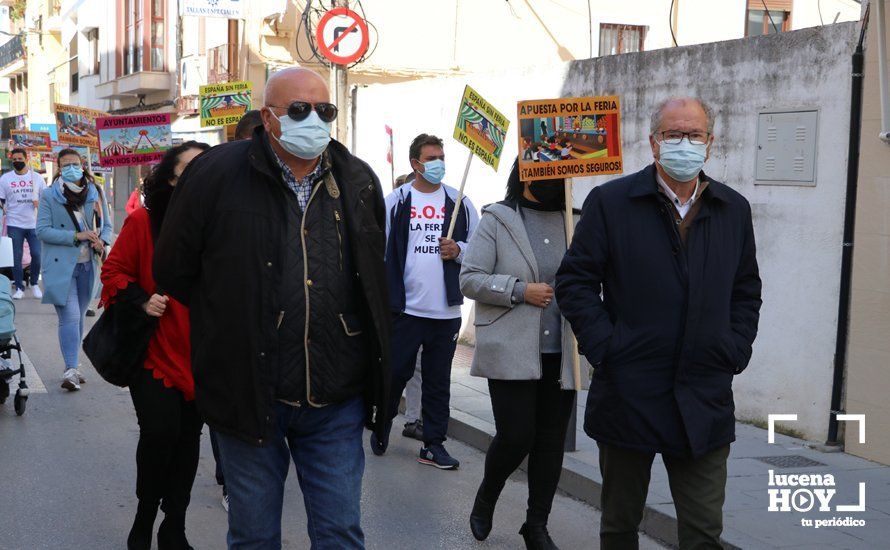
(276, 244)
(662, 289)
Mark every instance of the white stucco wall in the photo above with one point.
(799, 229)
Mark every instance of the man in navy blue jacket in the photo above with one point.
(422, 268)
(672, 252)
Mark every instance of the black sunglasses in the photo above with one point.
(299, 110)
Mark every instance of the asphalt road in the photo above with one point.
(69, 470)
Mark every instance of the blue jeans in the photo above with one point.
(326, 446)
(18, 236)
(72, 313)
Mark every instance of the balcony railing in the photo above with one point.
(11, 51)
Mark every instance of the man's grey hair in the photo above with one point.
(655, 120)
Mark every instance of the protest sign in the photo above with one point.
(224, 104)
(49, 128)
(572, 137)
(77, 125)
(133, 139)
(30, 141)
(481, 128)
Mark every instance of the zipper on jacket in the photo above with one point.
(339, 238)
(280, 319)
(306, 295)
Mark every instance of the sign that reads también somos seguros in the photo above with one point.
(77, 125)
(569, 137)
(224, 104)
(481, 128)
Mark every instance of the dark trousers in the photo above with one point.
(169, 441)
(698, 487)
(438, 339)
(531, 417)
(19, 236)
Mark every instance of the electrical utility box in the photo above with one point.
(786, 148)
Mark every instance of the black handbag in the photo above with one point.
(118, 342)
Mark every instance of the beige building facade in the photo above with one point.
(868, 360)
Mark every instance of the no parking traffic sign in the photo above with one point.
(342, 36)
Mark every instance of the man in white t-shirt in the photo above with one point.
(422, 268)
(20, 191)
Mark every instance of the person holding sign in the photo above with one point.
(523, 346)
(20, 191)
(276, 246)
(422, 268)
(662, 288)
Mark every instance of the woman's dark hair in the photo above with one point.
(156, 187)
(515, 187)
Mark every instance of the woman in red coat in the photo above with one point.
(163, 392)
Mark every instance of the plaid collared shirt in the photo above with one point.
(301, 187)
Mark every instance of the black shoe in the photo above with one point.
(482, 517)
(436, 455)
(537, 538)
(171, 534)
(143, 526)
(414, 430)
(378, 446)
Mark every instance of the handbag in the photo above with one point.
(118, 342)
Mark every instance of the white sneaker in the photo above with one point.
(18, 294)
(70, 381)
(225, 502)
(80, 377)
(35, 291)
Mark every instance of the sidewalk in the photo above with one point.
(747, 522)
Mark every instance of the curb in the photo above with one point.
(578, 480)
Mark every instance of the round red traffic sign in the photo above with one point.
(342, 36)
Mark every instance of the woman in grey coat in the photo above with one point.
(523, 346)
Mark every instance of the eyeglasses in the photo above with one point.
(299, 110)
(674, 137)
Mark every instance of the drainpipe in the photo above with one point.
(843, 313)
(882, 71)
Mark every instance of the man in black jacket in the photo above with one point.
(673, 254)
(276, 245)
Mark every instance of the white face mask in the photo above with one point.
(73, 186)
(306, 139)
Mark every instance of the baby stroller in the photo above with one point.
(8, 343)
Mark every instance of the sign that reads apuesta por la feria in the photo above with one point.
(229, 9)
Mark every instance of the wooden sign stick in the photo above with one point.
(460, 197)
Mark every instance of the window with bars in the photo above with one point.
(616, 38)
(767, 17)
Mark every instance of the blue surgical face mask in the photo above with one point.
(682, 161)
(434, 171)
(306, 139)
(72, 173)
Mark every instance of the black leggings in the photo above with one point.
(169, 442)
(531, 418)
